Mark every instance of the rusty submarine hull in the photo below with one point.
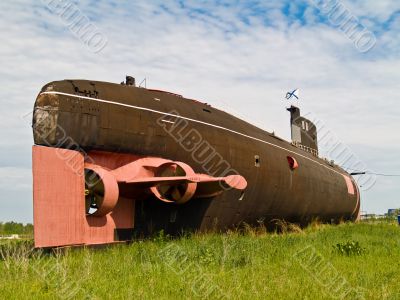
(116, 161)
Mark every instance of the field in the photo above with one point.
(347, 261)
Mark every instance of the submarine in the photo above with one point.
(114, 161)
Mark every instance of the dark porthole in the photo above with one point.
(257, 161)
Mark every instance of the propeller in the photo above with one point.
(94, 191)
(101, 191)
(174, 192)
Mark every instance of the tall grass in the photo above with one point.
(249, 263)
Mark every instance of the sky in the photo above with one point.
(239, 56)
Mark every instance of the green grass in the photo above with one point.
(305, 264)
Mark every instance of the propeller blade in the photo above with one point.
(180, 172)
(164, 188)
(88, 202)
(182, 189)
(98, 189)
(168, 193)
(176, 195)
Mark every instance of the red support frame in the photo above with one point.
(59, 203)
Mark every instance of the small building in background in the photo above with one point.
(393, 212)
(10, 237)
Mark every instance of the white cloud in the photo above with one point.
(380, 10)
(15, 178)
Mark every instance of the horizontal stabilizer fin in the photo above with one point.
(232, 181)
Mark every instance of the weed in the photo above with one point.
(349, 248)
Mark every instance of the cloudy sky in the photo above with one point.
(240, 56)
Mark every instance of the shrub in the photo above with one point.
(349, 248)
